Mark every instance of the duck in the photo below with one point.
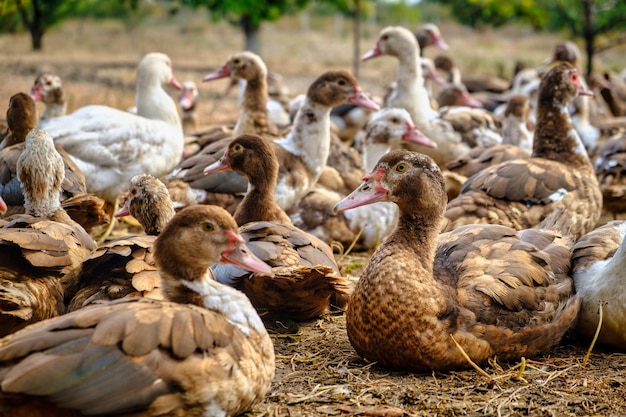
(495, 291)
(610, 169)
(254, 116)
(458, 129)
(598, 274)
(302, 154)
(456, 95)
(516, 142)
(430, 35)
(40, 247)
(125, 266)
(187, 100)
(555, 188)
(220, 362)
(84, 208)
(48, 88)
(363, 227)
(111, 146)
(582, 106)
(306, 282)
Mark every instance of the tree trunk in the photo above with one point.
(588, 34)
(251, 32)
(356, 34)
(36, 34)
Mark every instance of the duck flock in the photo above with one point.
(490, 212)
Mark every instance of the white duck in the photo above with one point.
(111, 146)
(453, 132)
(598, 270)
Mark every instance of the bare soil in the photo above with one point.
(318, 373)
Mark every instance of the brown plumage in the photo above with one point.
(125, 267)
(205, 353)
(302, 154)
(610, 168)
(307, 279)
(556, 188)
(496, 291)
(40, 247)
(86, 209)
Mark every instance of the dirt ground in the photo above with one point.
(318, 373)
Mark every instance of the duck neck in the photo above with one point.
(154, 103)
(309, 138)
(555, 136)
(411, 92)
(200, 288)
(259, 204)
(515, 132)
(254, 115)
(418, 233)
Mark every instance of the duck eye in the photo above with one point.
(394, 120)
(573, 76)
(384, 37)
(133, 191)
(402, 167)
(237, 147)
(208, 227)
(236, 61)
(341, 82)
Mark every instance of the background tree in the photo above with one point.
(248, 14)
(40, 15)
(600, 23)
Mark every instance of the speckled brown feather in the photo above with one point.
(23, 119)
(481, 157)
(346, 160)
(125, 267)
(35, 256)
(558, 178)
(148, 357)
(610, 168)
(313, 276)
(497, 291)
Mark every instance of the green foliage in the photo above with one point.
(253, 11)
(477, 13)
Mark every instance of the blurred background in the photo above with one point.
(95, 45)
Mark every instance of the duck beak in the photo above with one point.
(438, 42)
(583, 92)
(219, 165)
(125, 210)
(174, 83)
(3, 206)
(221, 72)
(186, 99)
(35, 92)
(239, 255)
(370, 191)
(414, 135)
(373, 53)
(467, 100)
(361, 99)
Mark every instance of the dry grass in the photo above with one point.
(318, 373)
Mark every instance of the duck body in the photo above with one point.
(220, 362)
(556, 187)
(598, 272)
(306, 281)
(40, 247)
(125, 267)
(494, 290)
(110, 146)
